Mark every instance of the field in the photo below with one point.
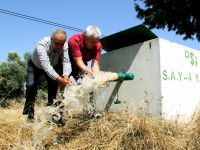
(110, 131)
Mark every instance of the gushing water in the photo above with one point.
(76, 99)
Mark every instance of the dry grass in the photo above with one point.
(11, 131)
(111, 131)
(125, 132)
(194, 132)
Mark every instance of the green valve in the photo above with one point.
(117, 101)
(129, 76)
(126, 76)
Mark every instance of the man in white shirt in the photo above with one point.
(51, 59)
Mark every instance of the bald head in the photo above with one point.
(58, 39)
(58, 31)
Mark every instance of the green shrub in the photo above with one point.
(12, 78)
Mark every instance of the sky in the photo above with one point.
(111, 16)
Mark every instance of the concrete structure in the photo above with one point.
(167, 75)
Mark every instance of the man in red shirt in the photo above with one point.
(83, 48)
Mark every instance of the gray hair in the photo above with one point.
(93, 31)
(58, 31)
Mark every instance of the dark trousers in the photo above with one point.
(33, 75)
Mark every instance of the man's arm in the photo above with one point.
(67, 68)
(95, 61)
(79, 62)
(63, 81)
(45, 62)
(95, 66)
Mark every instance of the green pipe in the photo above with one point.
(125, 76)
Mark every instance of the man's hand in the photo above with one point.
(63, 81)
(89, 71)
(66, 77)
(82, 66)
(95, 66)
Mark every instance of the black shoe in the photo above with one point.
(30, 119)
(31, 115)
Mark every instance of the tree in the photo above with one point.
(13, 56)
(12, 79)
(181, 16)
(12, 75)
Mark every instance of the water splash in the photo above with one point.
(79, 97)
(76, 99)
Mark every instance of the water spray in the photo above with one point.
(77, 98)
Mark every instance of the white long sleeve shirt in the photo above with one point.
(45, 58)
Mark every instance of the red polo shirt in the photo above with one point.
(77, 48)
